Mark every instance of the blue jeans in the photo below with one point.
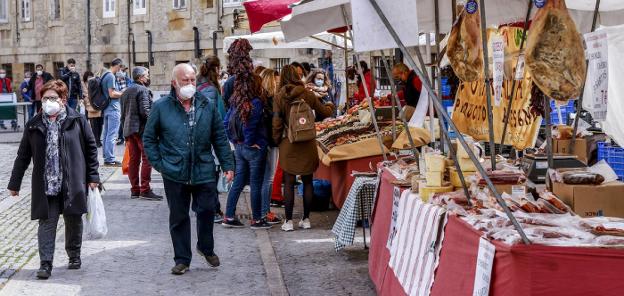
(250, 163)
(269, 174)
(112, 118)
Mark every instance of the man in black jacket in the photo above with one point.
(72, 80)
(35, 85)
(136, 103)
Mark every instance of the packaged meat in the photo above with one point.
(465, 48)
(582, 178)
(555, 202)
(555, 56)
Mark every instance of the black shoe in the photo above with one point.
(45, 271)
(112, 164)
(232, 223)
(260, 224)
(150, 195)
(277, 204)
(179, 269)
(134, 195)
(213, 260)
(120, 142)
(74, 263)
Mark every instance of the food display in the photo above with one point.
(465, 50)
(347, 130)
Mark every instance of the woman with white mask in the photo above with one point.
(59, 142)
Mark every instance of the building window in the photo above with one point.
(4, 11)
(179, 4)
(29, 67)
(381, 77)
(55, 10)
(232, 3)
(26, 9)
(109, 8)
(278, 64)
(142, 64)
(139, 7)
(56, 67)
(9, 70)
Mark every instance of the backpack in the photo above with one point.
(99, 100)
(301, 126)
(235, 127)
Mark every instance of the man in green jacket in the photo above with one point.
(181, 131)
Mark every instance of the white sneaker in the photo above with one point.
(305, 223)
(288, 226)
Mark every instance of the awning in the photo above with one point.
(275, 40)
(261, 12)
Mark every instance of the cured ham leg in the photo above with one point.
(464, 49)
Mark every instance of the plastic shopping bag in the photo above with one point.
(125, 162)
(95, 219)
(223, 186)
(81, 108)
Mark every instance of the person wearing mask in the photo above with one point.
(5, 88)
(35, 85)
(369, 83)
(208, 86)
(61, 146)
(181, 131)
(320, 86)
(71, 77)
(300, 158)
(244, 126)
(112, 113)
(412, 87)
(270, 81)
(95, 116)
(136, 103)
(26, 95)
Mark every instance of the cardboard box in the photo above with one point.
(585, 149)
(593, 200)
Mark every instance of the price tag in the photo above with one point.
(541, 165)
(498, 60)
(518, 190)
(396, 198)
(483, 274)
(520, 68)
(597, 83)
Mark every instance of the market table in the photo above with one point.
(338, 173)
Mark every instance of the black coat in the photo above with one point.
(31, 84)
(136, 102)
(79, 163)
(72, 80)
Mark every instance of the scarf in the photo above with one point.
(52, 169)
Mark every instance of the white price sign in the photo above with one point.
(520, 67)
(498, 57)
(396, 198)
(597, 83)
(483, 275)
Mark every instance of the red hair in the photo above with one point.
(56, 85)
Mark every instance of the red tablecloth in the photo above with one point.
(339, 174)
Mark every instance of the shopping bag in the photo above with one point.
(223, 186)
(125, 163)
(81, 108)
(95, 219)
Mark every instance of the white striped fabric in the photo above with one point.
(415, 251)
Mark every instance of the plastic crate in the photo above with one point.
(603, 152)
(614, 155)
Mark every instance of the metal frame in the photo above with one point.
(488, 82)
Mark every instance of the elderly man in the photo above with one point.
(181, 131)
(413, 86)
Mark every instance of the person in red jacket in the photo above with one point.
(410, 94)
(360, 95)
(5, 88)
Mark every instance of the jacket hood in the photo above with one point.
(292, 91)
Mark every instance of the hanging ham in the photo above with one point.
(465, 49)
(555, 57)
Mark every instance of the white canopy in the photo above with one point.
(275, 40)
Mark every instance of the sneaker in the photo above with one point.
(260, 224)
(134, 195)
(232, 223)
(74, 263)
(45, 270)
(150, 195)
(115, 163)
(305, 223)
(288, 226)
(179, 269)
(272, 219)
(212, 260)
(218, 218)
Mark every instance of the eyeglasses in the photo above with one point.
(51, 98)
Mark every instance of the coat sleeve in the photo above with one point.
(24, 155)
(90, 153)
(322, 110)
(278, 120)
(80, 90)
(65, 75)
(151, 138)
(220, 143)
(124, 104)
(145, 103)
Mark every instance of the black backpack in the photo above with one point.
(99, 100)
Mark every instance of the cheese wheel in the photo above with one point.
(426, 192)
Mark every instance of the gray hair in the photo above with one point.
(138, 72)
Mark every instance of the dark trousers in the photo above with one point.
(96, 126)
(202, 198)
(289, 194)
(139, 168)
(250, 163)
(46, 233)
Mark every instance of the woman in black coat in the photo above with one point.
(62, 147)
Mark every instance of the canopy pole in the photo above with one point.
(327, 42)
(436, 9)
(488, 82)
(548, 132)
(439, 107)
(346, 66)
(513, 84)
(580, 100)
(371, 106)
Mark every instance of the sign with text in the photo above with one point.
(483, 274)
(597, 83)
(498, 67)
(396, 198)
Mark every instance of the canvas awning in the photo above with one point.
(275, 40)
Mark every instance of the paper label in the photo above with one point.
(540, 165)
(518, 190)
(614, 225)
(520, 68)
(396, 198)
(483, 274)
(498, 67)
(597, 83)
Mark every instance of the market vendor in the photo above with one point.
(410, 94)
(360, 95)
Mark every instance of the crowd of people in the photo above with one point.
(248, 129)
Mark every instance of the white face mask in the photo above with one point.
(27, 79)
(51, 108)
(72, 69)
(2, 76)
(187, 91)
(319, 82)
(39, 73)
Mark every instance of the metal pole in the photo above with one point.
(392, 101)
(513, 84)
(580, 100)
(488, 94)
(395, 100)
(362, 219)
(371, 105)
(548, 131)
(436, 9)
(438, 105)
(346, 65)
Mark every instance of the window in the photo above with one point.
(139, 7)
(4, 11)
(179, 4)
(55, 10)
(142, 64)
(56, 68)
(278, 64)
(232, 3)
(9, 70)
(29, 67)
(26, 8)
(109, 8)
(381, 77)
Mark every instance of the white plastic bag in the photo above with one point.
(604, 169)
(223, 186)
(81, 108)
(95, 219)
